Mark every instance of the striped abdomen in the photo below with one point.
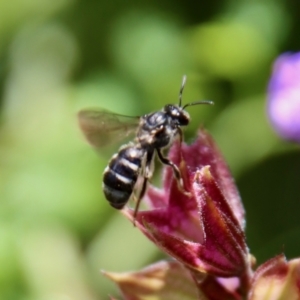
(121, 174)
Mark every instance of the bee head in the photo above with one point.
(179, 116)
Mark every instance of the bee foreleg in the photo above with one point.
(175, 169)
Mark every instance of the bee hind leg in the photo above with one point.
(140, 197)
(147, 174)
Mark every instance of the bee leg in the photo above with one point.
(147, 175)
(138, 201)
(175, 169)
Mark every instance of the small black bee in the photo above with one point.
(154, 132)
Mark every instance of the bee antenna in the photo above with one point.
(181, 89)
(198, 102)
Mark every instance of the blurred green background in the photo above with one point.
(56, 230)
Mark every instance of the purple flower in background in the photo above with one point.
(284, 96)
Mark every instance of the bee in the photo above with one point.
(153, 133)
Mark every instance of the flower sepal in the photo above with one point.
(276, 279)
(160, 281)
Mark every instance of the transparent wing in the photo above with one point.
(102, 127)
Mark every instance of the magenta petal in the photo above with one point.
(225, 244)
(179, 218)
(204, 152)
(219, 250)
(203, 228)
(155, 198)
(191, 158)
(193, 255)
(186, 252)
